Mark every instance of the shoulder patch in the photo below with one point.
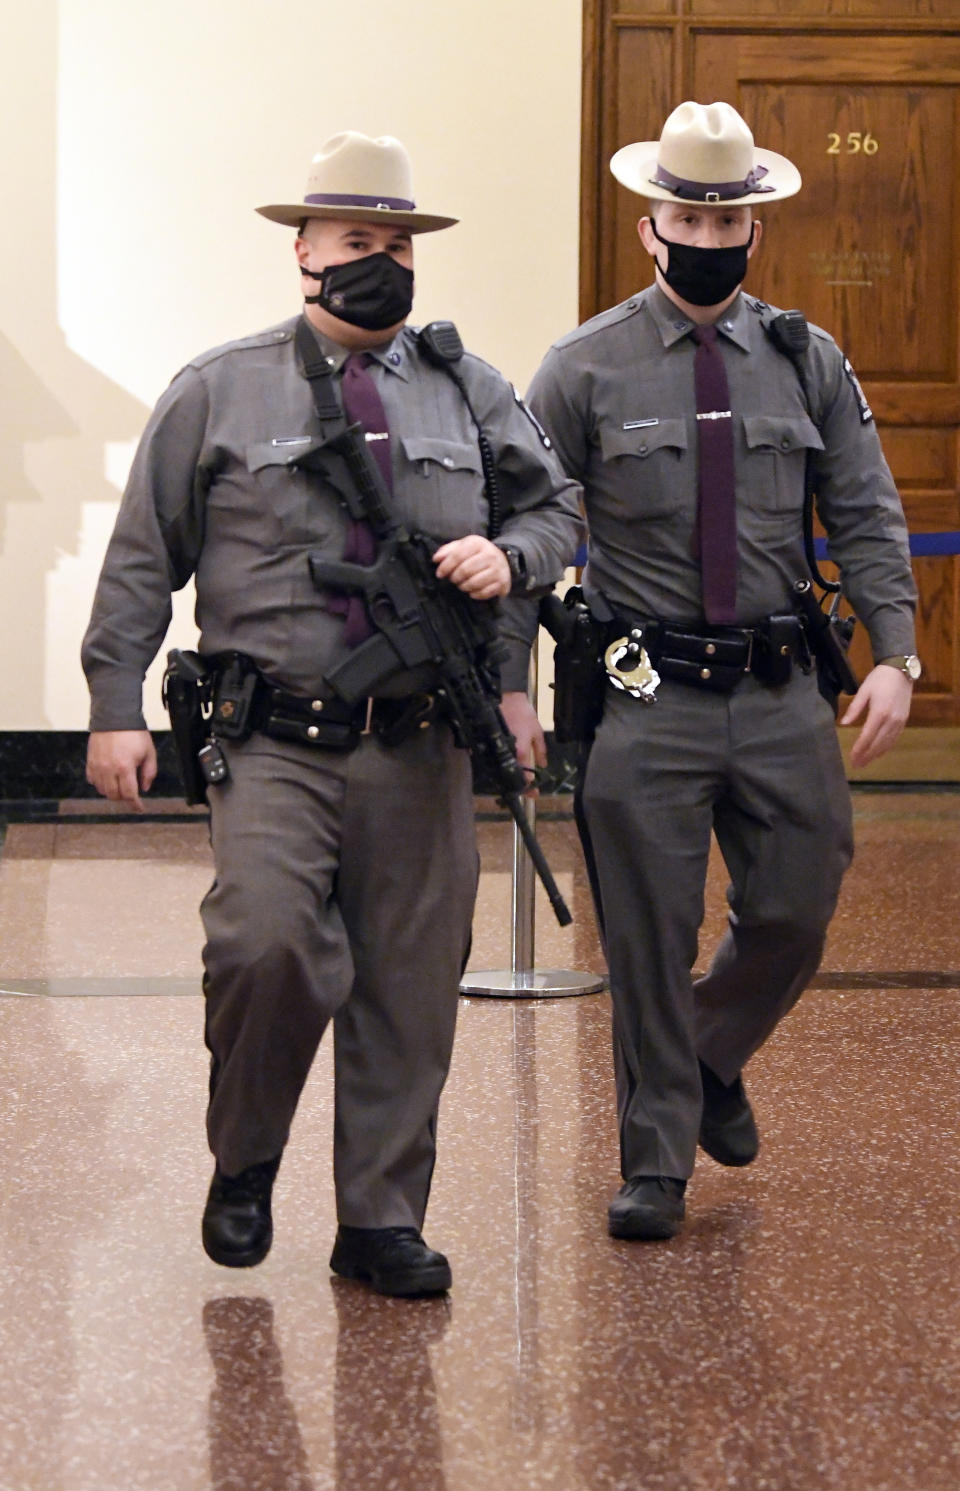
(866, 413)
(545, 440)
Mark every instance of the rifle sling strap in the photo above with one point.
(319, 373)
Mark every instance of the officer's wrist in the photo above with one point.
(518, 566)
(906, 663)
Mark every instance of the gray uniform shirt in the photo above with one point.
(216, 491)
(617, 398)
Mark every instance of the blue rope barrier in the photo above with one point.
(922, 545)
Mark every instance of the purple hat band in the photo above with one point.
(720, 191)
(347, 199)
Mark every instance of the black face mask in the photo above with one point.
(703, 276)
(373, 292)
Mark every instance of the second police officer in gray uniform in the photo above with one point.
(345, 877)
(690, 430)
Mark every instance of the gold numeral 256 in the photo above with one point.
(858, 143)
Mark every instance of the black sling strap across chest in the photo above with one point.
(319, 373)
(830, 633)
(440, 342)
(790, 334)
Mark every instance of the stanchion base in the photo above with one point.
(533, 983)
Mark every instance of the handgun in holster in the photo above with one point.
(187, 695)
(579, 675)
(829, 636)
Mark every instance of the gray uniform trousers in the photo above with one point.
(762, 768)
(344, 890)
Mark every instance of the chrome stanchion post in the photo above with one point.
(522, 980)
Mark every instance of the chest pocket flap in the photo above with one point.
(281, 452)
(451, 455)
(666, 434)
(786, 432)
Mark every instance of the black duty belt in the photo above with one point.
(336, 725)
(718, 657)
(243, 702)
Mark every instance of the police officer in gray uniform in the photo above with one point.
(690, 429)
(344, 847)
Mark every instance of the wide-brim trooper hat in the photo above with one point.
(361, 180)
(705, 154)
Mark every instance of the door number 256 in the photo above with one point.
(857, 143)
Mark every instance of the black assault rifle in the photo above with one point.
(422, 619)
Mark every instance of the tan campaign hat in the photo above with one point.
(705, 154)
(361, 180)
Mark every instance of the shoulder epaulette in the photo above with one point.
(818, 331)
(612, 317)
(271, 337)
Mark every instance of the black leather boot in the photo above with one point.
(392, 1260)
(237, 1223)
(728, 1130)
(647, 1208)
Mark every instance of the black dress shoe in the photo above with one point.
(728, 1130)
(648, 1208)
(392, 1260)
(237, 1224)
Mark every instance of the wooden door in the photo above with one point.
(864, 96)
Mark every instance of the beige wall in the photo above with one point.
(137, 140)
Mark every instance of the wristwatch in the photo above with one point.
(910, 665)
(518, 567)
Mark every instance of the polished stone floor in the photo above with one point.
(802, 1334)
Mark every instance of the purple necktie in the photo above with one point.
(362, 405)
(717, 507)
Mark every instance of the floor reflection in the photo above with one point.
(527, 1402)
(255, 1442)
(386, 1415)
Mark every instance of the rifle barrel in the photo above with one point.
(560, 908)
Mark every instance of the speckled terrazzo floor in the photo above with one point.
(802, 1333)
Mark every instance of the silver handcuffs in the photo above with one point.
(629, 667)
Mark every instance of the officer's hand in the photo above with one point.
(522, 722)
(475, 565)
(121, 764)
(883, 702)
